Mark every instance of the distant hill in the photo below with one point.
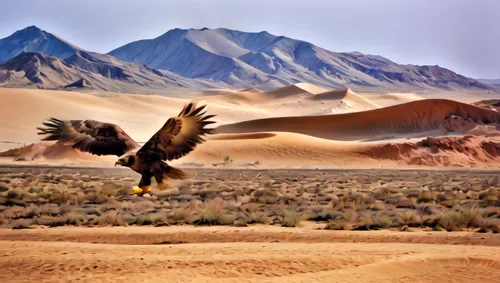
(33, 39)
(244, 59)
(211, 58)
(84, 70)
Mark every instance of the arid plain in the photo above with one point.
(291, 188)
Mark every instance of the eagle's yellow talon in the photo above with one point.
(136, 190)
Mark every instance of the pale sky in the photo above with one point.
(462, 35)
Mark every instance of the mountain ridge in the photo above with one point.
(85, 70)
(279, 60)
(222, 58)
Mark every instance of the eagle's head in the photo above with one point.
(126, 161)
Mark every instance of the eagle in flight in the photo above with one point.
(178, 136)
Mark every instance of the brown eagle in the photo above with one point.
(176, 138)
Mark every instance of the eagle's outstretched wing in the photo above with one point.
(92, 136)
(180, 135)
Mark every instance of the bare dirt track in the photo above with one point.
(270, 254)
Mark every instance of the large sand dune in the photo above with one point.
(389, 99)
(416, 118)
(297, 141)
(346, 96)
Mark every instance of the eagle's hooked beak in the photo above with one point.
(120, 161)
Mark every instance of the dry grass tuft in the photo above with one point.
(342, 200)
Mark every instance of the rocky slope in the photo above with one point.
(84, 70)
(33, 39)
(221, 58)
(264, 60)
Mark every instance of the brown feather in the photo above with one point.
(91, 136)
(181, 135)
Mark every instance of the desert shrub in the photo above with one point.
(49, 209)
(15, 212)
(52, 221)
(140, 206)
(21, 223)
(227, 219)
(209, 216)
(241, 221)
(378, 205)
(15, 193)
(266, 196)
(3, 187)
(110, 217)
(144, 219)
(110, 189)
(212, 213)
(458, 220)
(75, 218)
(59, 197)
(425, 196)
(410, 218)
(92, 211)
(129, 219)
(181, 215)
(111, 204)
(405, 203)
(159, 219)
(342, 221)
(338, 224)
(493, 181)
(489, 194)
(44, 220)
(382, 220)
(206, 193)
(96, 197)
(259, 217)
(291, 218)
(438, 228)
(492, 211)
(66, 207)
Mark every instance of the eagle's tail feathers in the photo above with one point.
(170, 172)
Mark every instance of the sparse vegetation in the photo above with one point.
(442, 201)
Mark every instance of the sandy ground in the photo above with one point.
(253, 254)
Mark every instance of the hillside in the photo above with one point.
(84, 70)
(33, 39)
(243, 59)
(221, 59)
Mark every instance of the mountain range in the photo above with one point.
(210, 58)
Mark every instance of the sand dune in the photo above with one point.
(291, 150)
(252, 89)
(389, 99)
(313, 89)
(346, 96)
(139, 115)
(255, 96)
(491, 104)
(252, 254)
(417, 118)
(296, 141)
(469, 151)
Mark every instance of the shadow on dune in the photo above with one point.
(426, 117)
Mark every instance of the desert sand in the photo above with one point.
(253, 254)
(275, 142)
(299, 126)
